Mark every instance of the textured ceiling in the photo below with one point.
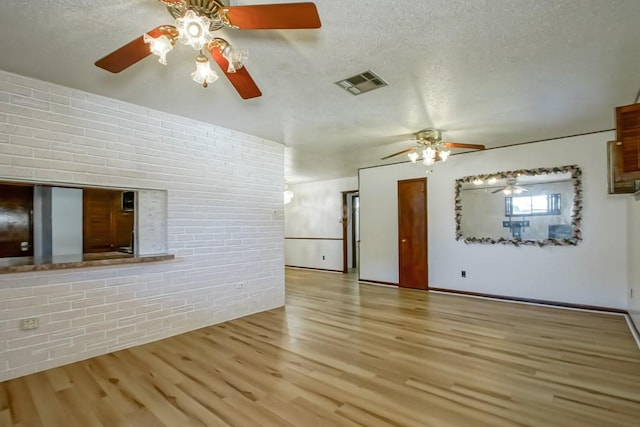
(491, 72)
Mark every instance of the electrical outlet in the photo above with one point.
(31, 323)
(463, 273)
(323, 257)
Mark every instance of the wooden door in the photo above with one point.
(412, 233)
(97, 206)
(16, 227)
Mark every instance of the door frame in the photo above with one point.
(345, 221)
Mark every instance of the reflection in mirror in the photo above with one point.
(522, 207)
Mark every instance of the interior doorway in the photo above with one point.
(350, 231)
(412, 233)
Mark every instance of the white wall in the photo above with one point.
(379, 219)
(593, 273)
(633, 302)
(66, 214)
(224, 224)
(314, 215)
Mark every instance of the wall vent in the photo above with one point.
(361, 83)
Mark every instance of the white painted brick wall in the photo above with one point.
(224, 224)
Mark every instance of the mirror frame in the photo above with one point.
(576, 217)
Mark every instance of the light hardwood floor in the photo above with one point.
(343, 354)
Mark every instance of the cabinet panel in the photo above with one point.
(16, 205)
(97, 220)
(624, 153)
(628, 134)
(106, 226)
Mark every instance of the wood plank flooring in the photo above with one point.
(343, 354)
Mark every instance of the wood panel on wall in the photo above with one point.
(628, 134)
(106, 226)
(16, 228)
(624, 152)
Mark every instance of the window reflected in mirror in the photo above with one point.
(544, 204)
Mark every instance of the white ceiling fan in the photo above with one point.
(512, 187)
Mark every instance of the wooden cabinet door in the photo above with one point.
(16, 228)
(412, 233)
(97, 206)
(628, 136)
(107, 227)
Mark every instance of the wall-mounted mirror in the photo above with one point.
(522, 207)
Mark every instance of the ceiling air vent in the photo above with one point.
(361, 83)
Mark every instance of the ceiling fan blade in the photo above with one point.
(463, 145)
(134, 51)
(497, 191)
(274, 16)
(241, 79)
(406, 150)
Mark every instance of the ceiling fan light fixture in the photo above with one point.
(159, 46)
(193, 30)
(288, 196)
(203, 74)
(428, 161)
(429, 143)
(236, 57)
(429, 153)
(195, 21)
(510, 188)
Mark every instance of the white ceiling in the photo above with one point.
(491, 72)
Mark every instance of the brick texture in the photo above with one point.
(225, 224)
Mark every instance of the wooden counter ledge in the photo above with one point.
(28, 264)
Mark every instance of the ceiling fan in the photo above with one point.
(431, 147)
(195, 22)
(512, 187)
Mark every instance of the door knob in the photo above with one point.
(404, 240)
